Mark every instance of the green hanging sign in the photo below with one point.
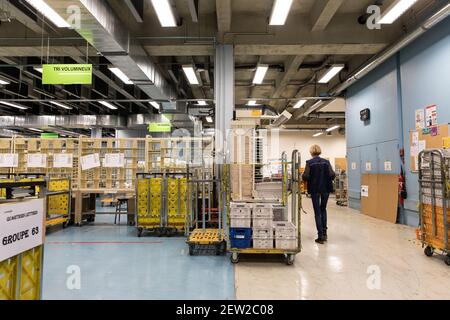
(67, 74)
(49, 135)
(160, 127)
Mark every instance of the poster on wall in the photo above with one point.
(37, 160)
(365, 191)
(431, 116)
(420, 119)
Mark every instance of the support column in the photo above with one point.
(224, 97)
(96, 132)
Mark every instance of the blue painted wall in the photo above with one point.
(416, 77)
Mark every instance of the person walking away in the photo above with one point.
(319, 176)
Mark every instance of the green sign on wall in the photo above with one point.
(67, 74)
(160, 127)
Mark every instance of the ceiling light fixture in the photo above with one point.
(252, 103)
(333, 128)
(280, 12)
(155, 104)
(4, 82)
(36, 130)
(331, 73)
(202, 103)
(51, 14)
(164, 11)
(299, 104)
(318, 134)
(9, 104)
(61, 105)
(39, 69)
(191, 75)
(108, 105)
(395, 10)
(122, 76)
(209, 119)
(260, 73)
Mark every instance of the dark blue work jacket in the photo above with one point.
(320, 175)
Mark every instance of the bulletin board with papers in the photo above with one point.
(426, 138)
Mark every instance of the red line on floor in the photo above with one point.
(103, 242)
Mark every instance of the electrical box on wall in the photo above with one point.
(365, 115)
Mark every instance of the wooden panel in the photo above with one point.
(340, 163)
(432, 142)
(382, 202)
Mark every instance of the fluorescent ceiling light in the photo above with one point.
(164, 118)
(191, 75)
(165, 13)
(108, 105)
(252, 103)
(299, 104)
(36, 130)
(61, 105)
(331, 73)
(209, 119)
(4, 82)
(51, 14)
(333, 128)
(280, 12)
(122, 76)
(318, 134)
(9, 104)
(395, 10)
(260, 73)
(155, 105)
(39, 69)
(202, 103)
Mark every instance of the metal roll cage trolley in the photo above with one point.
(434, 177)
(291, 187)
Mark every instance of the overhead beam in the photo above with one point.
(292, 65)
(193, 9)
(322, 13)
(20, 16)
(36, 51)
(309, 49)
(136, 8)
(180, 50)
(223, 10)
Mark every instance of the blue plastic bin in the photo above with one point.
(241, 238)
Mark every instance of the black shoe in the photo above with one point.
(319, 240)
(325, 238)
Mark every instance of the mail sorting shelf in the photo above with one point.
(434, 199)
(290, 191)
(21, 275)
(163, 203)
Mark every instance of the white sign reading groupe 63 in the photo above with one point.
(21, 227)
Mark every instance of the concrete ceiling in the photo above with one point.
(317, 34)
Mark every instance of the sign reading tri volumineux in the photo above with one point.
(160, 127)
(67, 74)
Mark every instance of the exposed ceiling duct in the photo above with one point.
(106, 33)
(437, 17)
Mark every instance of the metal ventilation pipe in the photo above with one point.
(389, 52)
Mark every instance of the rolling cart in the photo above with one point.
(291, 192)
(434, 198)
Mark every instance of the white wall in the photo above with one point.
(332, 146)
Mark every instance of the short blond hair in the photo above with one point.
(315, 150)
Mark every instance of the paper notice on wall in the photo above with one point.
(368, 166)
(420, 119)
(365, 191)
(63, 160)
(422, 145)
(353, 165)
(114, 160)
(9, 160)
(36, 160)
(387, 166)
(415, 144)
(431, 116)
(90, 161)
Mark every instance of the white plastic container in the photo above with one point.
(285, 230)
(262, 233)
(262, 243)
(286, 244)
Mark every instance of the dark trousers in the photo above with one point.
(320, 201)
